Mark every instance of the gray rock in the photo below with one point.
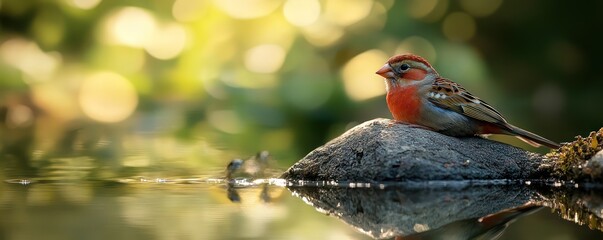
(593, 168)
(385, 150)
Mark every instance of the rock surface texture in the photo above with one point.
(385, 150)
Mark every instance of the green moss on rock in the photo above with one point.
(568, 161)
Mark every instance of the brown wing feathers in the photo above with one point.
(450, 95)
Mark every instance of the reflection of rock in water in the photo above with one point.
(385, 213)
(584, 207)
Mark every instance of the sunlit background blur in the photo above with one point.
(93, 90)
(189, 84)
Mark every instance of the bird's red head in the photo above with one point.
(407, 67)
(408, 57)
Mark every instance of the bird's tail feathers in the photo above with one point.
(531, 138)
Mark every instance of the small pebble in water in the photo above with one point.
(232, 167)
(19, 181)
(253, 167)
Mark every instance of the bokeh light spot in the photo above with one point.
(167, 42)
(359, 78)
(301, 12)
(85, 4)
(428, 10)
(107, 97)
(188, 10)
(29, 58)
(267, 58)
(421, 8)
(480, 8)
(459, 26)
(419, 46)
(376, 19)
(19, 115)
(347, 12)
(246, 9)
(54, 100)
(131, 26)
(322, 34)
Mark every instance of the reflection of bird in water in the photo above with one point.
(253, 167)
(488, 227)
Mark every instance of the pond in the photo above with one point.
(212, 207)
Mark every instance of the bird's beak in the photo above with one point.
(386, 71)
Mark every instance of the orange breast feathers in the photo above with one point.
(404, 104)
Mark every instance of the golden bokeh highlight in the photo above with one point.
(107, 97)
(359, 78)
(19, 115)
(376, 19)
(323, 34)
(27, 56)
(130, 26)
(188, 10)
(247, 9)
(347, 12)
(418, 45)
(55, 101)
(421, 8)
(301, 12)
(166, 42)
(459, 26)
(427, 10)
(85, 4)
(265, 58)
(136, 27)
(480, 8)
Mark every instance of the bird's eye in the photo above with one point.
(404, 67)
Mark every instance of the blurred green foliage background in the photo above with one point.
(117, 86)
(93, 89)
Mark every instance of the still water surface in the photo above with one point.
(209, 207)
